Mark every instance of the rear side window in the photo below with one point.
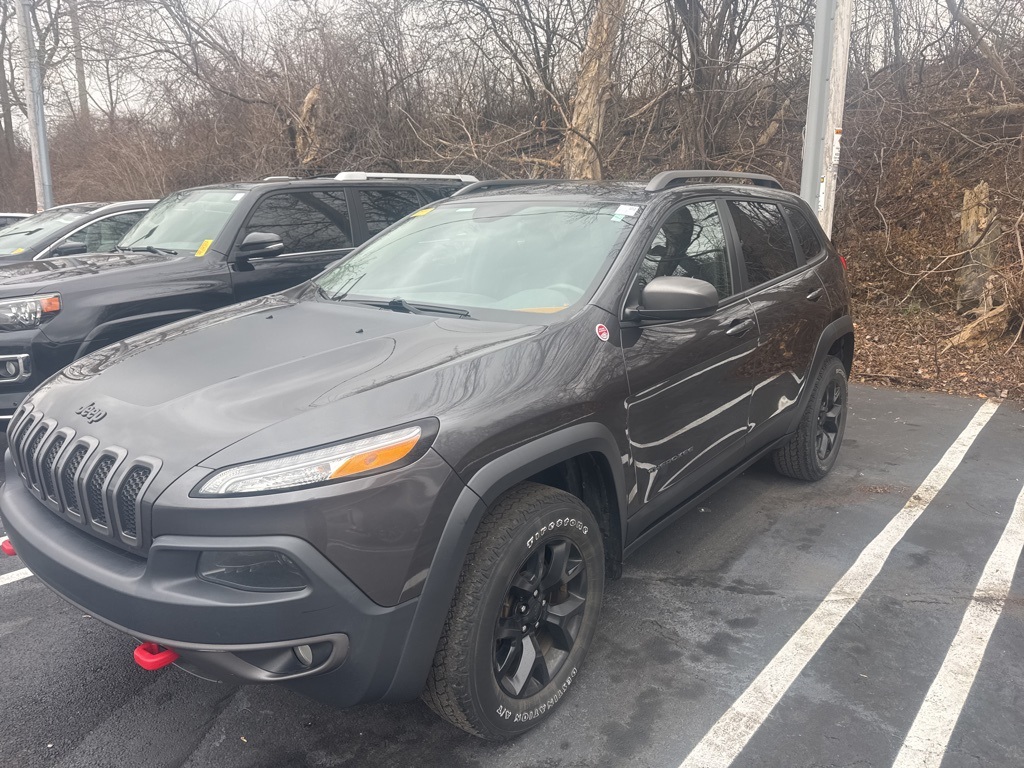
(764, 240)
(806, 237)
(306, 221)
(384, 207)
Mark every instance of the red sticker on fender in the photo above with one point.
(602, 332)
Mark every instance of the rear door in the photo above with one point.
(317, 230)
(689, 385)
(791, 306)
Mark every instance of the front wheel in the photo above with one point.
(523, 616)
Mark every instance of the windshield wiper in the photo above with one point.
(148, 249)
(399, 304)
(21, 232)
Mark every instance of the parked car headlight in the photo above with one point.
(356, 457)
(27, 311)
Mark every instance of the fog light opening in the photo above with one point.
(304, 654)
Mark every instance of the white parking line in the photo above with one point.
(727, 738)
(9, 578)
(926, 743)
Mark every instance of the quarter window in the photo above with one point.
(806, 237)
(764, 240)
(691, 243)
(306, 221)
(384, 207)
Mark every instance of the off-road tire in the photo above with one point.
(799, 458)
(465, 683)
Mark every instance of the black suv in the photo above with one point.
(417, 470)
(196, 250)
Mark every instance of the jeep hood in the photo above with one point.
(188, 390)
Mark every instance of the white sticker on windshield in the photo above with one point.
(627, 210)
(238, 196)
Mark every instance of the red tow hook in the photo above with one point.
(8, 548)
(150, 657)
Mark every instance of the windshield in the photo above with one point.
(36, 231)
(501, 255)
(183, 221)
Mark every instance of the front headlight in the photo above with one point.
(27, 311)
(356, 457)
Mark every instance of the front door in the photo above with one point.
(689, 389)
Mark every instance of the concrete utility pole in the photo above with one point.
(37, 113)
(824, 127)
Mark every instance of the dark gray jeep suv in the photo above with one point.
(413, 474)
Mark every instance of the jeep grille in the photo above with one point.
(96, 487)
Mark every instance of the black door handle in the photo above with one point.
(739, 328)
(815, 295)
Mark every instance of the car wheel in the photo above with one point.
(523, 615)
(812, 450)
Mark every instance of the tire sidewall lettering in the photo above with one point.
(561, 522)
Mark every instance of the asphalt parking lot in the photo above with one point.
(782, 624)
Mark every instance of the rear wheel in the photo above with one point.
(813, 449)
(523, 616)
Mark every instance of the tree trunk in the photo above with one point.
(580, 156)
(76, 40)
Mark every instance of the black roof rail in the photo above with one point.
(480, 186)
(667, 179)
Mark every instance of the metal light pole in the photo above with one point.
(37, 113)
(824, 127)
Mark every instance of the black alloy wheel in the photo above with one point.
(540, 618)
(523, 616)
(812, 450)
(830, 417)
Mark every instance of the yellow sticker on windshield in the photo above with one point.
(423, 212)
(16, 251)
(204, 248)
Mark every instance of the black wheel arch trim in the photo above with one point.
(832, 333)
(483, 488)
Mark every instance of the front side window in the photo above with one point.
(691, 243)
(183, 221)
(305, 221)
(501, 255)
(101, 236)
(36, 230)
(384, 207)
(764, 240)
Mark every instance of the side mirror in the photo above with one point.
(677, 298)
(69, 248)
(262, 244)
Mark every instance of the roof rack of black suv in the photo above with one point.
(668, 179)
(481, 186)
(362, 176)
